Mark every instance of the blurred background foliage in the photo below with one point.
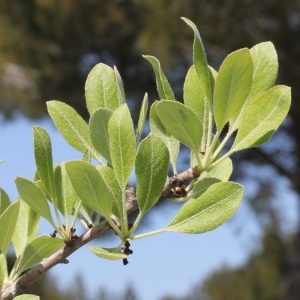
(47, 48)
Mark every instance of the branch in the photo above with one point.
(20, 285)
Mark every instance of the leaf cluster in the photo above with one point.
(238, 107)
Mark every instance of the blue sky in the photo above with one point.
(164, 264)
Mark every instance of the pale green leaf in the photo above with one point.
(122, 143)
(151, 168)
(210, 210)
(1, 161)
(72, 127)
(196, 99)
(101, 89)
(34, 197)
(121, 92)
(39, 248)
(99, 131)
(142, 117)
(3, 269)
(222, 170)
(8, 221)
(113, 188)
(163, 87)
(181, 122)
(232, 86)
(108, 253)
(26, 227)
(200, 62)
(265, 68)
(4, 201)
(65, 193)
(43, 159)
(262, 117)
(27, 297)
(201, 186)
(159, 129)
(89, 186)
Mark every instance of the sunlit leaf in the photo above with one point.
(151, 167)
(34, 197)
(262, 117)
(122, 143)
(4, 201)
(181, 122)
(232, 86)
(121, 92)
(3, 269)
(222, 170)
(101, 89)
(66, 195)
(163, 87)
(202, 185)
(210, 210)
(27, 297)
(159, 129)
(26, 227)
(200, 62)
(89, 186)
(99, 131)
(8, 221)
(142, 117)
(43, 158)
(38, 249)
(72, 127)
(265, 68)
(108, 253)
(113, 188)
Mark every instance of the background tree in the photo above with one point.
(48, 47)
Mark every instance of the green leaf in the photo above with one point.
(197, 100)
(265, 68)
(66, 195)
(113, 188)
(159, 129)
(3, 270)
(34, 197)
(99, 131)
(262, 117)
(200, 62)
(43, 159)
(4, 201)
(202, 185)
(101, 89)
(26, 227)
(27, 297)
(142, 117)
(8, 221)
(108, 253)
(89, 186)
(121, 92)
(72, 127)
(151, 167)
(222, 170)
(163, 87)
(181, 122)
(122, 143)
(210, 210)
(38, 249)
(232, 86)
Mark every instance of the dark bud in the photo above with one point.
(90, 226)
(125, 261)
(127, 244)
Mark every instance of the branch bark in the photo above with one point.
(20, 285)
